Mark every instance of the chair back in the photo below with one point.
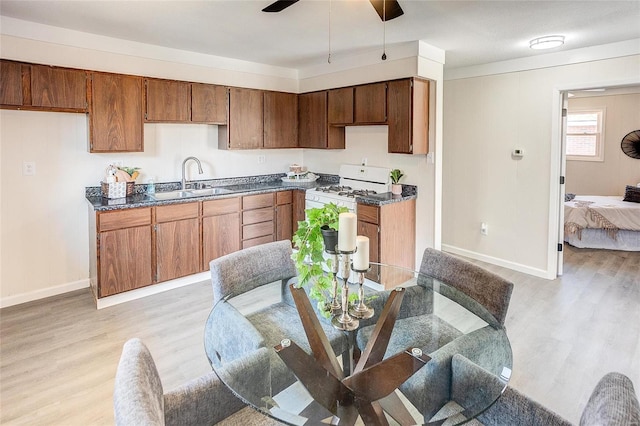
(138, 396)
(484, 287)
(612, 402)
(244, 270)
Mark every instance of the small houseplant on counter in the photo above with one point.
(310, 243)
(396, 187)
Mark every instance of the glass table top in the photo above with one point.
(430, 354)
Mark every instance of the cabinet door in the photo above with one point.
(208, 103)
(408, 116)
(10, 83)
(371, 103)
(298, 208)
(124, 259)
(116, 113)
(220, 236)
(399, 109)
(168, 101)
(371, 231)
(246, 127)
(280, 120)
(58, 88)
(284, 222)
(177, 249)
(312, 120)
(340, 106)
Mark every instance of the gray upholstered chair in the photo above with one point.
(470, 286)
(230, 335)
(140, 400)
(613, 402)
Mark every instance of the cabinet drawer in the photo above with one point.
(257, 241)
(257, 230)
(368, 213)
(176, 212)
(284, 197)
(124, 219)
(218, 207)
(259, 215)
(257, 201)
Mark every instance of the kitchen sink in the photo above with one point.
(174, 195)
(209, 191)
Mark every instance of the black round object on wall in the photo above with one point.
(630, 144)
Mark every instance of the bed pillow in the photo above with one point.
(632, 193)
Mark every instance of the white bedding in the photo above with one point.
(601, 212)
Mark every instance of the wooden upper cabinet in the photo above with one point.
(340, 106)
(408, 116)
(62, 88)
(245, 126)
(208, 103)
(10, 83)
(371, 103)
(116, 113)
(313, 128)
(280, 120)
(167, 100)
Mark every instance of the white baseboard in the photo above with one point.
(127, 296)
(105, 301)
(41, 294)
(497, 261)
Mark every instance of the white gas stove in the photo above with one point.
(355, 181)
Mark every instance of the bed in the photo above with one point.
(603, 222)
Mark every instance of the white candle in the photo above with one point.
(347, 230)
(361, 258)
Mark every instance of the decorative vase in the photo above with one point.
(396, 189)
(330, 237)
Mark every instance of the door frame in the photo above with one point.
(558, 167)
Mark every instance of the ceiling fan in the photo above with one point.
(388, 11)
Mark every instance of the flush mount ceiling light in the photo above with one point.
(546, 42)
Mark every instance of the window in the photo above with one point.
(584, 135)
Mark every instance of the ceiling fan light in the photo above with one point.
(546, 42)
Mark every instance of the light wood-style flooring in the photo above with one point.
(58, 356)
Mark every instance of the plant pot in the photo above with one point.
(330, 237)
(396, 189)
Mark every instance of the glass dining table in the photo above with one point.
(428, 354)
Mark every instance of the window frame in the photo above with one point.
(599, 156)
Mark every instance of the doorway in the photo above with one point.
(589, 98)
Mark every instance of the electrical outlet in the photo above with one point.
(364, 161)
(28, 168)
(484, 229)
(262, 159)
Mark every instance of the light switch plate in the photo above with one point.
(28, 168)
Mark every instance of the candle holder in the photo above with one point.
(344, 321)
(335, 304)
(361, 311)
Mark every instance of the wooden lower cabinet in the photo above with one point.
(258, 219)
(284, 215)
(220, 229)
(123, 251)
(298, 207)
(391, 229)
(177, 249)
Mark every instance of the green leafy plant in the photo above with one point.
(309, 258)
(396, 175)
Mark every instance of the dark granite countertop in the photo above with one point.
(237, 187)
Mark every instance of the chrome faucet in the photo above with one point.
(184, 186)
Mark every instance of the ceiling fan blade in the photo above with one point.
(279, 5)
(393, 9)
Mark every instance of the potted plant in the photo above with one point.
(396, 187)
(310, 244)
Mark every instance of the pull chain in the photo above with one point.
(384, 30)
(329, 58)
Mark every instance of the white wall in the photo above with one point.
(44, 218)
(485, 118)
(608, 177)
